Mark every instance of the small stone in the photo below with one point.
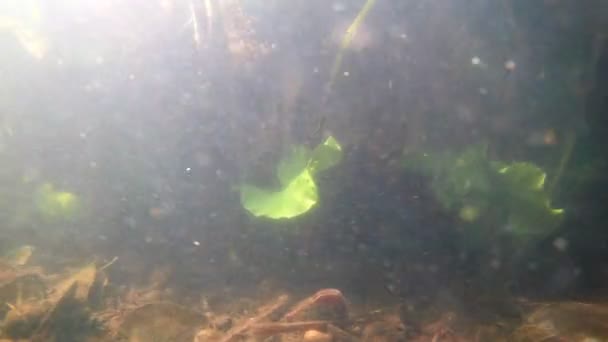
(316, 336)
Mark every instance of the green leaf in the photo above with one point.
(325, 156)
(524, 176)
(299, 196)
(293, 165)
(530, 211)
(509, 193)
(454, 176)
(295, 172)
(54, 204)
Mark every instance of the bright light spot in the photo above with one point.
(196, 243)
(475, 60)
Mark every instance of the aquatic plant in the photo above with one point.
(347, 39)
(474, 186)
(299, 192)
(54, 204)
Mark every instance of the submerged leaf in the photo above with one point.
(474, 185)
(325, 156)
(54, 204)
(295, 199)
(291, 166)
(299, 193)
(524, 176)
(530, 212)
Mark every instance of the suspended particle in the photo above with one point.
(560, 244)
(550, 137)
(475, 60)
(510, 65)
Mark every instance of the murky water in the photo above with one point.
(373, 170)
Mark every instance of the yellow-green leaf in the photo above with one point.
(326, 155)
(295, 199)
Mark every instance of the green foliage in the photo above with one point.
(475, 187)
(296, 198)
(325, 156)
(525, 196)
(292, 165)
(299, 192)
(53, 204)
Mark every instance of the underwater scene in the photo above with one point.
(303, 170)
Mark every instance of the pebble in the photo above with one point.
(316, 336)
